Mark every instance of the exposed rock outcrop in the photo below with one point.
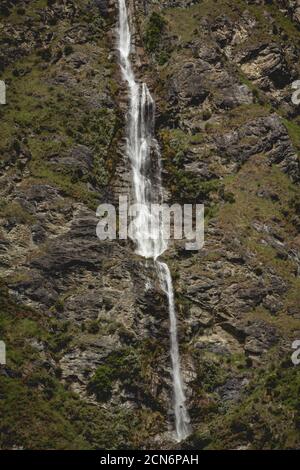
(85, 320)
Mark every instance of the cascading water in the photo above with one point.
(140, 145)
(148, 228)
(182, 419)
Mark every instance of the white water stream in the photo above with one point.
(142, 147)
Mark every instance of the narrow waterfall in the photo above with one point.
(182, 419)
(142, 147)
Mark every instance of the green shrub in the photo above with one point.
(13, 211)
(119, 365)
(68, 49)
(206, 115)
(45, 54)
(101, 382)
(93, 327)
(153, 32)
(190, 188)
(228, 197)
(162, 58)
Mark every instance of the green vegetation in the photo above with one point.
(153, 34)
(266, 416)
(46, 117)
(294, 132)
(102, 381)
(93, 327)
(15, 212)
(258, 419)
(121, 365)
(39, 412)
(247, 206)
(184, 185)
(62, 94)
(189, 188)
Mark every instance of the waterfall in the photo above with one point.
(182, 420)
(142, 147)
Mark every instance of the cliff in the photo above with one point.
(86, 332)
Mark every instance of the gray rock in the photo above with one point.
(188, 85)
(80, 160)
(266, 134)
(234, 96)
(201, 317)
(232, 389)
(266, 63)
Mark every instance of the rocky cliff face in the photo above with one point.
(85, 322)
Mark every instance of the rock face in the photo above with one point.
(263, 135)
(266, 64)
(84, 320)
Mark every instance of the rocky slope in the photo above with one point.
(84, 321)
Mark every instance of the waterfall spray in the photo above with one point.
(148, 232)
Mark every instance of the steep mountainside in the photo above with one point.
(85, 322)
